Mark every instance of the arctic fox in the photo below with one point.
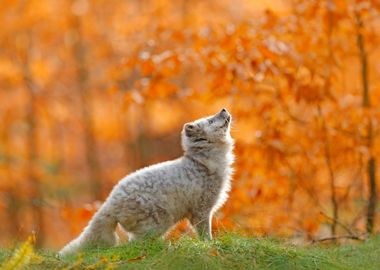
(155, 198)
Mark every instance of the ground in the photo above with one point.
(226, 252)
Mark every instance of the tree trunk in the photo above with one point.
(328, 160)
(12, 200)
(87, 111)
(327, 146)
(366, 103)
(31, 170)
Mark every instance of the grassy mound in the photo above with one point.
(227, 252)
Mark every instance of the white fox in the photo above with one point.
(155, 198)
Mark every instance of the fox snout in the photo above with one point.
(225, 114)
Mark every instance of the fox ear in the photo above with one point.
(189, 130)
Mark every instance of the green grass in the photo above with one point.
(226, 252)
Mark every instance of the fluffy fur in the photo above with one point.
(153, 199)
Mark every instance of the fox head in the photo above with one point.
(207, 132)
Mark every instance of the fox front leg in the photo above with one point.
(202, 224)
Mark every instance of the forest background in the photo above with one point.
(93, 90)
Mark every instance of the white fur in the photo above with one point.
(155, 198)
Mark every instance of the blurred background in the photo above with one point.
(93, 90)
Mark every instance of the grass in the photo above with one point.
(226, 252)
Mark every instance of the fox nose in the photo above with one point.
(225, 114)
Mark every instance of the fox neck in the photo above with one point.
(217, 157)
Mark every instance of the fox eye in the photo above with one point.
(211, 121)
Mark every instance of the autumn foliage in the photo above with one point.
(93, 90)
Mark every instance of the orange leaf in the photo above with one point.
(214, 252)
(138, 258)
